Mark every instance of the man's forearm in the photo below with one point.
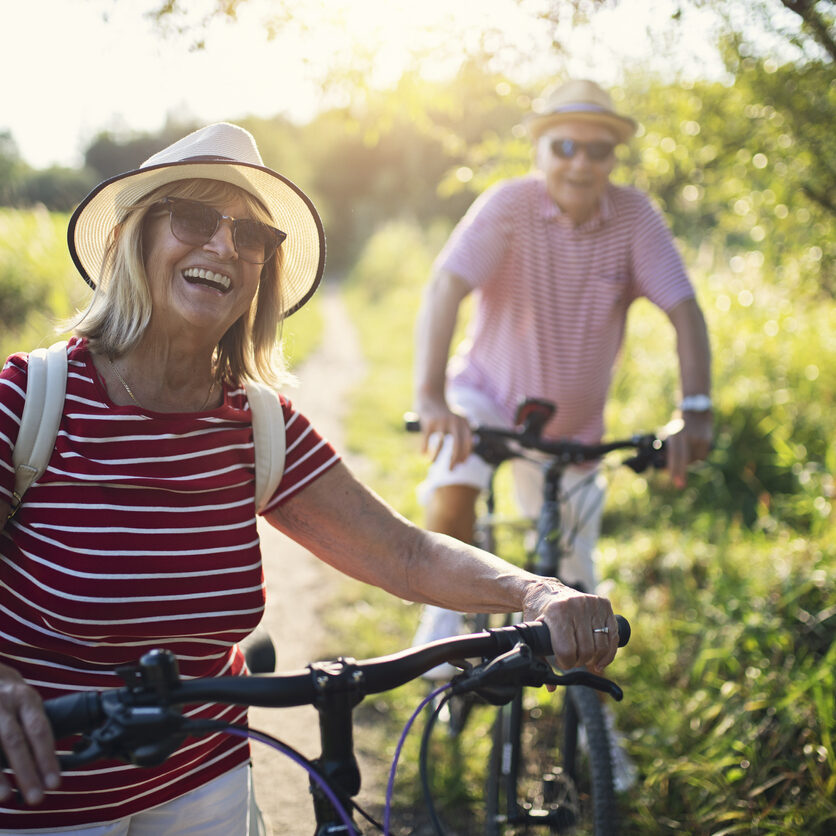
(693, 348)
(434, 334)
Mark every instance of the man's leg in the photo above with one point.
(451, 509)
(583, 493)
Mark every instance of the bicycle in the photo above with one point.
(141, 722)
(556, 775)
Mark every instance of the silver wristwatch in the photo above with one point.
(695, 403)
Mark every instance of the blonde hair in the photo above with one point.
(120, 310)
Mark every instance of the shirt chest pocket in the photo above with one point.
(608, 293)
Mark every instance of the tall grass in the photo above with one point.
(729, 584)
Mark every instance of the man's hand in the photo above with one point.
(437, 421)
(691, 443)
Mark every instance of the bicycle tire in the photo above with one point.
(538, 776)
(500, 783)
(591, 770)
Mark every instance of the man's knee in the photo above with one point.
(452, 510)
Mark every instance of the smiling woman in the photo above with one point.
(141, 531)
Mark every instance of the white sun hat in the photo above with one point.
(223, 152)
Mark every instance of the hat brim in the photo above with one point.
(303, 251)
(623, 127)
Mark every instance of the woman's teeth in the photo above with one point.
(197, 275)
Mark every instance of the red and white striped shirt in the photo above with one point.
(141, 534)
(552, 298)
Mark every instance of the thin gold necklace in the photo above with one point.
(133, 397)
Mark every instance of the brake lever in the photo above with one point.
(497, 680)
(142, 735)
(587, 679)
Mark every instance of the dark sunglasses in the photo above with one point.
(565, 149)
(196, 223)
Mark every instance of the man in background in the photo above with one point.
(555, 259)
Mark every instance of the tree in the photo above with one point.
(12, 169)
(109, 155)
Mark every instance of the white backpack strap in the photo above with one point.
(268, 440)
(46, 387)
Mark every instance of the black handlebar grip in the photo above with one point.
(623, 630)
(74, 713)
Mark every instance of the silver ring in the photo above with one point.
(600, 629)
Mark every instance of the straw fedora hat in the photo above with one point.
(223, 152)
(579, 100)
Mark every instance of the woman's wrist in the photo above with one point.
(538, 591)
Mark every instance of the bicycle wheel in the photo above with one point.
(539, 777)
(501, 779)
(589, 767)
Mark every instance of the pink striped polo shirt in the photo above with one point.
(141, 534)
(552, 298)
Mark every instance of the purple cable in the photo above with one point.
(391, 784)
(285, 750)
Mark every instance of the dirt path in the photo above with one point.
(299, 586)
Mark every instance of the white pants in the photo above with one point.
(223, 807)
(582, 493)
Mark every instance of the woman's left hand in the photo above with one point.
(576, 621)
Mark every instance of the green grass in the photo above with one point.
(729, 677)
(302, 333)
(39, 285)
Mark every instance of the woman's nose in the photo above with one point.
(223, 241)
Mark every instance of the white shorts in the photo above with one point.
(223, 807)
(582, 488)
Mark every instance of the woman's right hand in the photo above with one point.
(26, 739)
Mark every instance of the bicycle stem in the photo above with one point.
(339, 689)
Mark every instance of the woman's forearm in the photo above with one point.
(348, 526)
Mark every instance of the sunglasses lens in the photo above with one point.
(564, 148)
(254, 241)
(192, 222)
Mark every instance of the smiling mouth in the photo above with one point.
(217, 281)
(579, 184)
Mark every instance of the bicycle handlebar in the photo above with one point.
(154, 684)
(496, 445)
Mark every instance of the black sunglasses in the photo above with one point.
(565, 149)
(196, 223)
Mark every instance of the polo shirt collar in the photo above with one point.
(551, 211)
